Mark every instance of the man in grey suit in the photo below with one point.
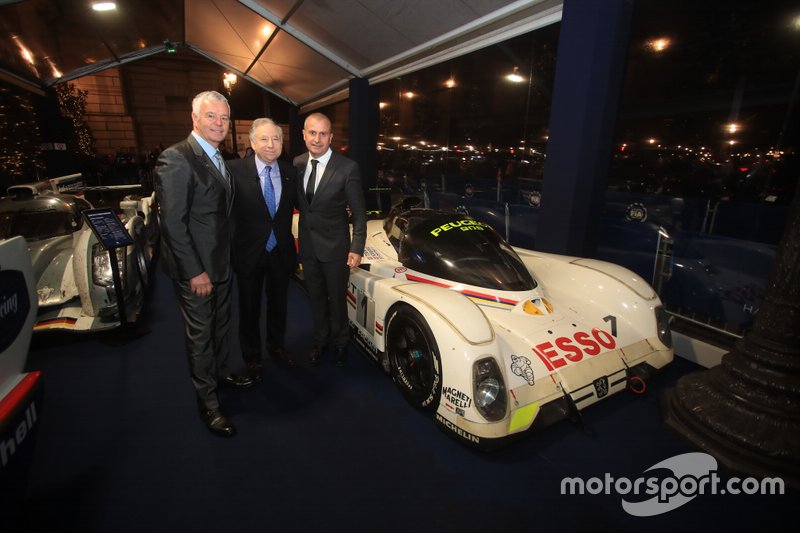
(195, 193)
(328, 185)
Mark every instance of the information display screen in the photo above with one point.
(108, 227)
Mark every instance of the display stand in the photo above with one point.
(111, 234)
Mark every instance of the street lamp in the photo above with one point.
(229, 80)
(659, 45)
(515, 76)
(104, 6)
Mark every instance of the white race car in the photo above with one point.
(73, 272)
(494, 340)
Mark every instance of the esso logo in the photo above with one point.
(400, 270)
(567, 350)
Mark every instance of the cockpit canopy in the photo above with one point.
(457, 248)
(41, 217)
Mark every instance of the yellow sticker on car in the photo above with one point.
(523, 417)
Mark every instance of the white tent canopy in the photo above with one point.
(303, 51)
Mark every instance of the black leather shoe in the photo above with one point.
(255, 370)
(341, 355)
(236, 381)
(279, 355)
(216, 422)
(316, 355)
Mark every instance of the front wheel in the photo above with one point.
(414, 359)
(141, 264)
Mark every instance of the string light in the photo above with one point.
(20, 147)
(72, 105)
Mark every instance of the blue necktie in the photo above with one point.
(269, 197)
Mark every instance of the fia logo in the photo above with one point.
(636, 212)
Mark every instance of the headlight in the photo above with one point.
(663, 320)
(489, 389)
(101, 266)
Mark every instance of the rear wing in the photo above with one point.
(61, 184)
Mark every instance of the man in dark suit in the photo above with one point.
(328, 185)
(264, 255)
(195, 196)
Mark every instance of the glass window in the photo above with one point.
(36, 225)
(709, 106)
(706, 147)
(472, 122)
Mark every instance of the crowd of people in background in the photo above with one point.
(126, 167)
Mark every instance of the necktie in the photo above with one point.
(269, 198)
(311, 181)
(220, 163)
(221, 167)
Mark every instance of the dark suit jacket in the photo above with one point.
(251, 219)
(194, 212)
(324, 231)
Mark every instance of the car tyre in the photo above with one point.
(414, 359)
(141, 263)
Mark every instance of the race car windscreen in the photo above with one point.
(464, 251)
(36, 225)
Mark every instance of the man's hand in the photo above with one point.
(201, 285)
(353, 260)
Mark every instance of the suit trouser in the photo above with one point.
(326, 282)
(269, 277)
(206, 326)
